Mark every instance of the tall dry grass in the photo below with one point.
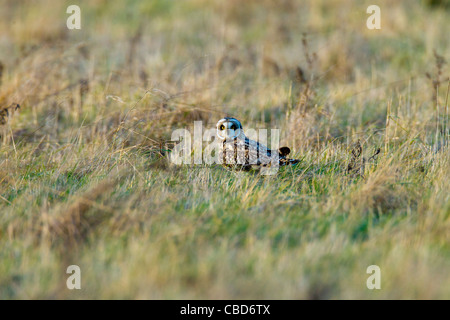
(84, 175)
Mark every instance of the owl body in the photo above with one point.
(237, 150)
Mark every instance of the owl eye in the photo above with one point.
(233, 127)
(222, 127)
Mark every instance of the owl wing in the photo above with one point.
(246, 153)
(266, 157)
(249, 154)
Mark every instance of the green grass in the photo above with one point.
(82, 181)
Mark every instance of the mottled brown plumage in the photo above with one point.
(7, 112)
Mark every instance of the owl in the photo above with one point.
(7, 112)
(237, 150)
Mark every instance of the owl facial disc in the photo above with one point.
(228, 128)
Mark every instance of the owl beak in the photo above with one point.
(230, 133)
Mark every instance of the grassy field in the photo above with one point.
(85, 178)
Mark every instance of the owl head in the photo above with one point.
(228, 128)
